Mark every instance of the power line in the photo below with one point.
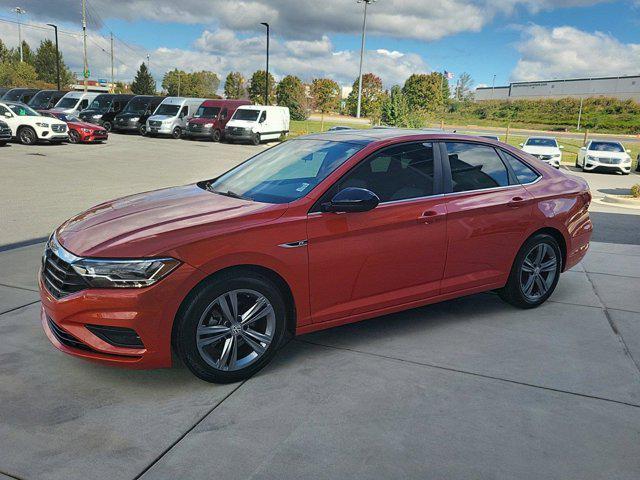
(41, 27)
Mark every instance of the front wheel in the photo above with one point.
(27, 136)
(176, 133)
(142, 130)
(534, 274)
(2, 143)
(107, 126)
(216, 136)
(255, 139)
(74, 137)
(230, 327)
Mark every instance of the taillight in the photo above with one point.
(586, 198)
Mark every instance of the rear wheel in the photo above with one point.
(534, 274)
(74, 137)
(216, 136)
(230, 327)
(27, 136)
(176, 133)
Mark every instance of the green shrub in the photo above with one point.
(635, 190)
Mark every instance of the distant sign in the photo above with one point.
(102, 82)
(87, 73)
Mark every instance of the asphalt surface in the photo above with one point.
(466, 389)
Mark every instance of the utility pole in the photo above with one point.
(266, 77)
(85, 73)
(55, 28)
(179, 76)
(147, 60)
(364, 33)
(493, 88)
(19, 11)
(580, 112)
(113, 86)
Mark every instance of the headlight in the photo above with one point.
(97, 116)
(626, 160)
(556, 155)
(589, 157)
(42, 124)
(208, 125)
(135, 119)
(86, 130)
(124, 273)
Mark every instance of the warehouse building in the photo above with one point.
(623, 88)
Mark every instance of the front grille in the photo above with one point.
(544, 157)
(5, 131)
(195, 127)
(59, 128)
(609, 161)
(236, 130)
(155, 123)
(100, 132)
(59, 277)
(65, 338)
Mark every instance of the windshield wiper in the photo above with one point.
(229, 193)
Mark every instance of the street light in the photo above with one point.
(266, 77)
(55, 28)
(19, 11)
(364, 28)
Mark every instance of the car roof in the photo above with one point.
(380, 134)
(547, 137)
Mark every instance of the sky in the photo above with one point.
(513, 40)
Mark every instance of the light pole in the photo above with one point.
(364, 33)
(493, 88)
(19, 11)
(55, 28)
(266, 77)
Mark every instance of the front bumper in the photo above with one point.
(554, 162)
(204, 132)
(126, 126)
(233, 134)
(90, 137)
(590, 165)
(149, 311)
(161, 130)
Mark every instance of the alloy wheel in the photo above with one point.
(27, 136)
(538, 271)
(107, 126)
(74, 137)
(236, 329)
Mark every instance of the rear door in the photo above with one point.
(489, 214)
(391, 255)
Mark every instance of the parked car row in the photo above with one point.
(89, 115)
(603, 155)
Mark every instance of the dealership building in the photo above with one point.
(623, 88)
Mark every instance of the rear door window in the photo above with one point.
(475, 167)
(524, 173)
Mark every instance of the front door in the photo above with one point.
(488, 216)
(391, 255)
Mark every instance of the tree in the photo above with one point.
(426, 92)
(17, 74)
(203, 84)
(257, 87)
(121, 87)
(290, 93)
(463, 87)
(326, 96)
(372, 96)
(45, 64)
(174, 82)
(234, 86)
(396, 111)
(143, 83)
(27, 54)
(5, 53)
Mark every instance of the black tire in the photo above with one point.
(74, 137)
(142, 130)
(2, 143)
(27, 136)
(176, 133)
(513, 291)
(255, 139)
(107, 126)
(184, 336)
(216, 136)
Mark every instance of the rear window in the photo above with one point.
(524, 173)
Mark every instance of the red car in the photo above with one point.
(79, 131)
(316, 232)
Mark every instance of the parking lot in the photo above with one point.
(471, 388)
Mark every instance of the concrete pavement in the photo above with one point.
(471, 388)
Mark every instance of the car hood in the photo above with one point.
(91, 113)
(242, 123)
(91, 126)
(62, 110)
(599, 154)
(158, 222)
(541, 150)
(202, 120)
(162, 117)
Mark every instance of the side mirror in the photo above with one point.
(8, 114)
(628, 150)
(262, 120)
(352, 199)
(521, 145)
(583, 148)
(561, 147)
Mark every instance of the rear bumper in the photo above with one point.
(150, 312)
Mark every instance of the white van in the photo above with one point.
(73, 102)
(172, 115)
(255, 123)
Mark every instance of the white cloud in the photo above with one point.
(565, 52)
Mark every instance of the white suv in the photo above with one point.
(544, 148)
(604, 155)
(28, 126)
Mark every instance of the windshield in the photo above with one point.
(207, 112)
(137, 105)
(542, 142)
(606, 147)
(67, 102)
(23, 110)
(166, 109)
(67, 117)
(41, 100)
(14, 96)
(246, 114)
(286, 172)
(101, 103)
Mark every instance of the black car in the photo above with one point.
(22, 95)
(3, 90)
(104, 108)
(45, 99)
(134, 116)
(5, 133)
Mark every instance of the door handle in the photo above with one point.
(430, 216)
(516, 202)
